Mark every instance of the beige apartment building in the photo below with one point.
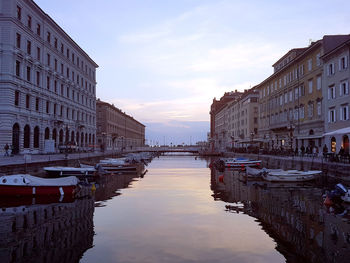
(242, 120)
(291, 112)
(116, 130)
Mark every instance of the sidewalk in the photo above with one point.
(42, 158)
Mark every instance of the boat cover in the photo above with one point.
(29, 180)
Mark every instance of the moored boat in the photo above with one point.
(290, 176)
(257, 173)
(120, 165)
(240, 163)
(62, 171)
(25, 184)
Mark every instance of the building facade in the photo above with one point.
(336, 96)
(47, 82)
(291, 101)
(243, 114)
(116, 130)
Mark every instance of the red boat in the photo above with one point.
(26, 185)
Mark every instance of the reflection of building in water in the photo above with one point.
(293, 216)
(56, 232)
(109, 184)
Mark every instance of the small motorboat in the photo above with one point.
(338, 195)
(62, 171)
(119, 165)
(257, 173)
(290, 175)
(240, 163)
(25, 184)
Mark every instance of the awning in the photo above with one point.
(309, 137)
(339, 131)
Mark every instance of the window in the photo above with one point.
(290, 95)
(18, 40)
(343, 63)
(27, 101)
(301, 70)
(62, 68)
(301, 90)
(330, 69)
(48, 36)
(16, 98)
(68, 53)
(47, 106)
(319, 108)
(331, 92)
(29, 47)
(48, 82)
(319, 82)
(54, 109)
(38, 29)
(309, 64)
(28, 73)
(67, 92)
(296, 114)
(55, 42)
(29, 22)
(311, 110)
(67, 69)
(38, 78)
(48, 59)
(18, 68)
(62, 92)
(331, 115)
(344, 88)
(302, 115)
(19, 12)
(344, 113)
(55, 64)
(310, 86)
(318, 61)
(37, 104)
(62, 48)
(55, 86)
(38, 53)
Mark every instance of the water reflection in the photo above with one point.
(49, 229)
(293, 215)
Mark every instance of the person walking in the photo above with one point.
(6, 148)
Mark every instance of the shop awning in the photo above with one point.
(339, 131)
(309, 137)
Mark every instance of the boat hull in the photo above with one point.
(11, 190)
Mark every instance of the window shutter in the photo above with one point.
(346, 62)
(341, 114)
(341, 89)
(329, 116)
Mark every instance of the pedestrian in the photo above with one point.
(6, 148)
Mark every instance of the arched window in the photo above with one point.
(47, 133)
(15, 138)
(67, 135)
(77, 139)
(82, 139)
(26, 137)
(72, 136)
(36, 137)
(61, 136)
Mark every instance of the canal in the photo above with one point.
(179, 211)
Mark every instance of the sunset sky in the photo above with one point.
(164, 61)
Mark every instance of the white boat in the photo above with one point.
(290, 176)
(63, 171)
(25, 184)
(119, 165)
(240, 162)
(257, 173)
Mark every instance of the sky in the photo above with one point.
(163, 61)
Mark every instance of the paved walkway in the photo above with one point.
(40, 158)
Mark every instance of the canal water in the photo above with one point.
(179, 211)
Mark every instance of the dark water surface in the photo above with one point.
(179, 211)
